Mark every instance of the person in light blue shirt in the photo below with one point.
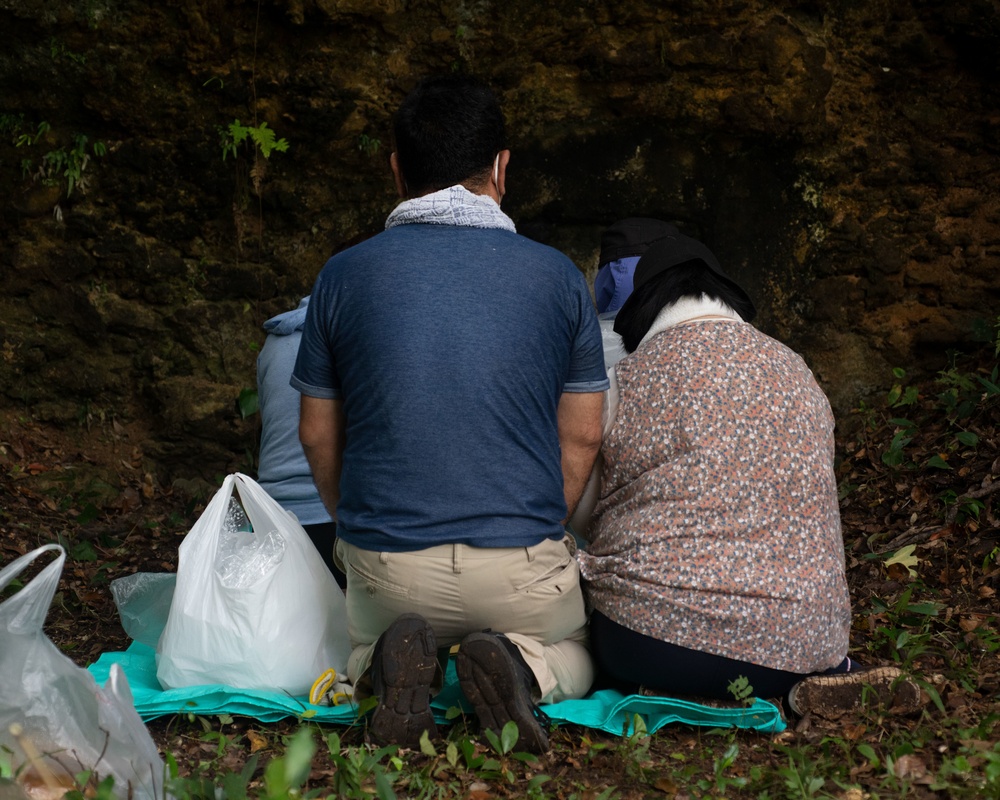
(283, 471)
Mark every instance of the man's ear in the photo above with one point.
(397, 176)
(504, 159)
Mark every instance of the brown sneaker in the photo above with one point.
(833, 696)
(404, 665)
(498, 683)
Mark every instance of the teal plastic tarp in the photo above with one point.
(606, 710)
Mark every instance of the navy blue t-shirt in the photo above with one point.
(450, 347)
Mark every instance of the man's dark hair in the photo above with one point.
(448, 130)
(689, 279)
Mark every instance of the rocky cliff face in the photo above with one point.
(839, 157)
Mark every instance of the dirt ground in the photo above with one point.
(934, 610)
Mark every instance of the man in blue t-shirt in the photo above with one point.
(452, 383)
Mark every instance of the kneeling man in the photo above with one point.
(452, 382)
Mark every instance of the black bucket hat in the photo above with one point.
(631, 237)
(621, 246)
(675, 248)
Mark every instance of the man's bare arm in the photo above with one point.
(321, 431)
(580, 440)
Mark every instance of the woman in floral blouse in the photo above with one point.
(716, 552)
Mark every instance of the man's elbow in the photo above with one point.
(308, 434)
(580, 421)
(591, 437)
(584, 439)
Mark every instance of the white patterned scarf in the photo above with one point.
(455, 205)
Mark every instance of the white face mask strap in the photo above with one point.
(496, 171)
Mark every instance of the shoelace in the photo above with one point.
(540, 715)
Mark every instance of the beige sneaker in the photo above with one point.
(833, 696)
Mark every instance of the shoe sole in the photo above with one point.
(833, 696)
(408, 665)
(491, 682)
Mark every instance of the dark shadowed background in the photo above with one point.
(841, 159)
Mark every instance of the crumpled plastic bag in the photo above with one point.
(55, 720)
(254, 607)
(143, 602)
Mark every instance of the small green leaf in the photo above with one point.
(927, 609)
(426, 747)
(383, 786)
(508, 736)
(494, 740)
(298, 757)
(968, 438)
(868, 752)
(938, 463)
(366, 705)
(990, 386)
(83, 551)
(971, 508)
(89, 514)
(248, 403)
(934, 695)
(537, 781)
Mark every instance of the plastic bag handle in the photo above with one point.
(259, 506)
(18, 565)
(26, 610)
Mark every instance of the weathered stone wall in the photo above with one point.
(839, 157)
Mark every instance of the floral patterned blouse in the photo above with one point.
(717, 527)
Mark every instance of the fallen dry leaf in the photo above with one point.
(911, 768)
(854, 732)
(919, 494)
(257, 742)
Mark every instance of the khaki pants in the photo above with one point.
(530, 594)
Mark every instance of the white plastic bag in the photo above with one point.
(255, 606)
(50, 707)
